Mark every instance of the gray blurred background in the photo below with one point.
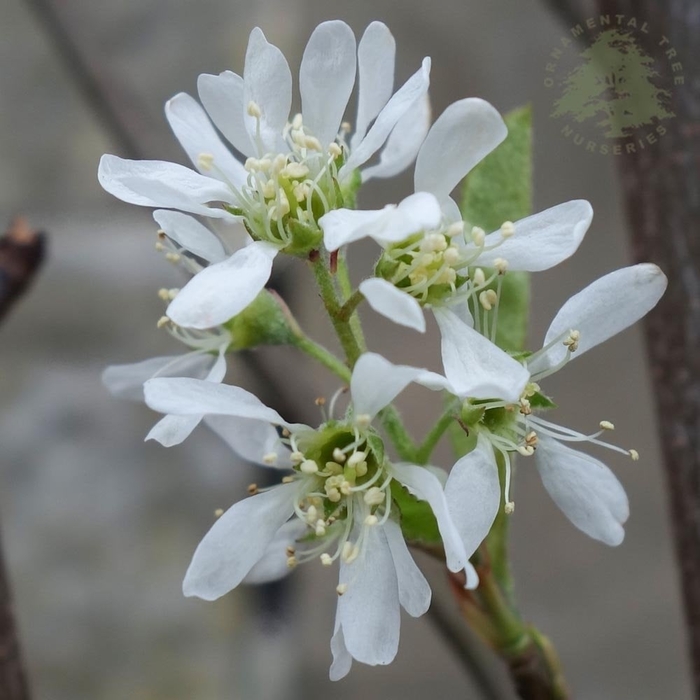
(99, 527)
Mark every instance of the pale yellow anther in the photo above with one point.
(427, 259)
(531, 388)
(295, 171)
(269, 190)
(252, 489)
(346, 488)
(296, 457)
(455, 229)
(634, 455)
(308, 466)
(339, 455)
(361, 469)
(312, 143)
(270, 458)
(525, 407)
(326, 559)
(334, 468)
(479, 277)
(351, 554)
(335, 150)
(606, 425)
(488, 299)
(320, 528)
(363, 420)
(509, 508)
(500, 265)
(159, 247)
(438, 242)
(311, 515)
(333, 495)
(478, 236)
(531, 439)
(163, 294)
(205, 161)
(451, 255)
(447, 276)
(297, 121)
(374, 496)
(526, 450)
(254, 110)
(356, 457)
(341, 588)
(572, 339)
(371, 520)
(346, 126)
(347, 551)
(292, 562)
(507, 229)
(172, 257)
(162, 321)
(288, 479)
(251, 164)
(218, 512)
(300, 192)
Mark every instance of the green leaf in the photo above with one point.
(418, 523)
(500, 189)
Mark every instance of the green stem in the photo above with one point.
(395, 429)
(345, 285)
(325, 357)
(426, 448)
(347, 310)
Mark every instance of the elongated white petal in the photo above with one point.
(603, 309)
(369, 610)
(403, 143)
(392, 303)
(191, 397)
(342, 660)
(587, 492)
(394, 223)
(155, 183)
(326, 79)
(190, 234)
(425, 486)
(376, 56)
(273, 564)
(414, 591)
(126, 381)
(220, 291)
(375, 383)
(267, 81)
(412, 91)
(173, 430)
(197, 136)
(542, 240)
(237, 541)
(473, 494)
(222, 97)
(476, 367)
(253, 440)
(464, 134)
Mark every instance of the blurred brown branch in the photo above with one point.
(21, 254)
(661, 187)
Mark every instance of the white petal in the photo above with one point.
(250, 439)
(326, 79)
(220, 291)
(273, 565)
(369, 610)
(542, 240)
(267, 81)
(403, 143)
(412, 91)
(342, 660)
(191, 397)
(391, 302)
(394, 223)
(425, 486)
(196, 135)
(222, 97)
(414, 591)
(190, 234)
(376, 55)
(173, 430)
(603, 309)
(473, 494)
(126, 381)
(476, 367)
(465, 132)
(155, 183)
(375, 382)
(237, 541)
(587, 492)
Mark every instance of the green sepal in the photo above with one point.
(418, 523)
(265, 321)
(540, 400)
(376, 445)
(350, 188)
(304, 238)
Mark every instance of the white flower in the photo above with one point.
(428, 251)
(297, 167)
(337, 505)
(584, 488)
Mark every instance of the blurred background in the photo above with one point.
(99, 527)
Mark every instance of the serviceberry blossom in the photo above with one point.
(336, 505)
(584, 488)
(296, 168)
(428, 249)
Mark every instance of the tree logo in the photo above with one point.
(613, 96)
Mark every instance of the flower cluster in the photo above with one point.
(342, 495)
